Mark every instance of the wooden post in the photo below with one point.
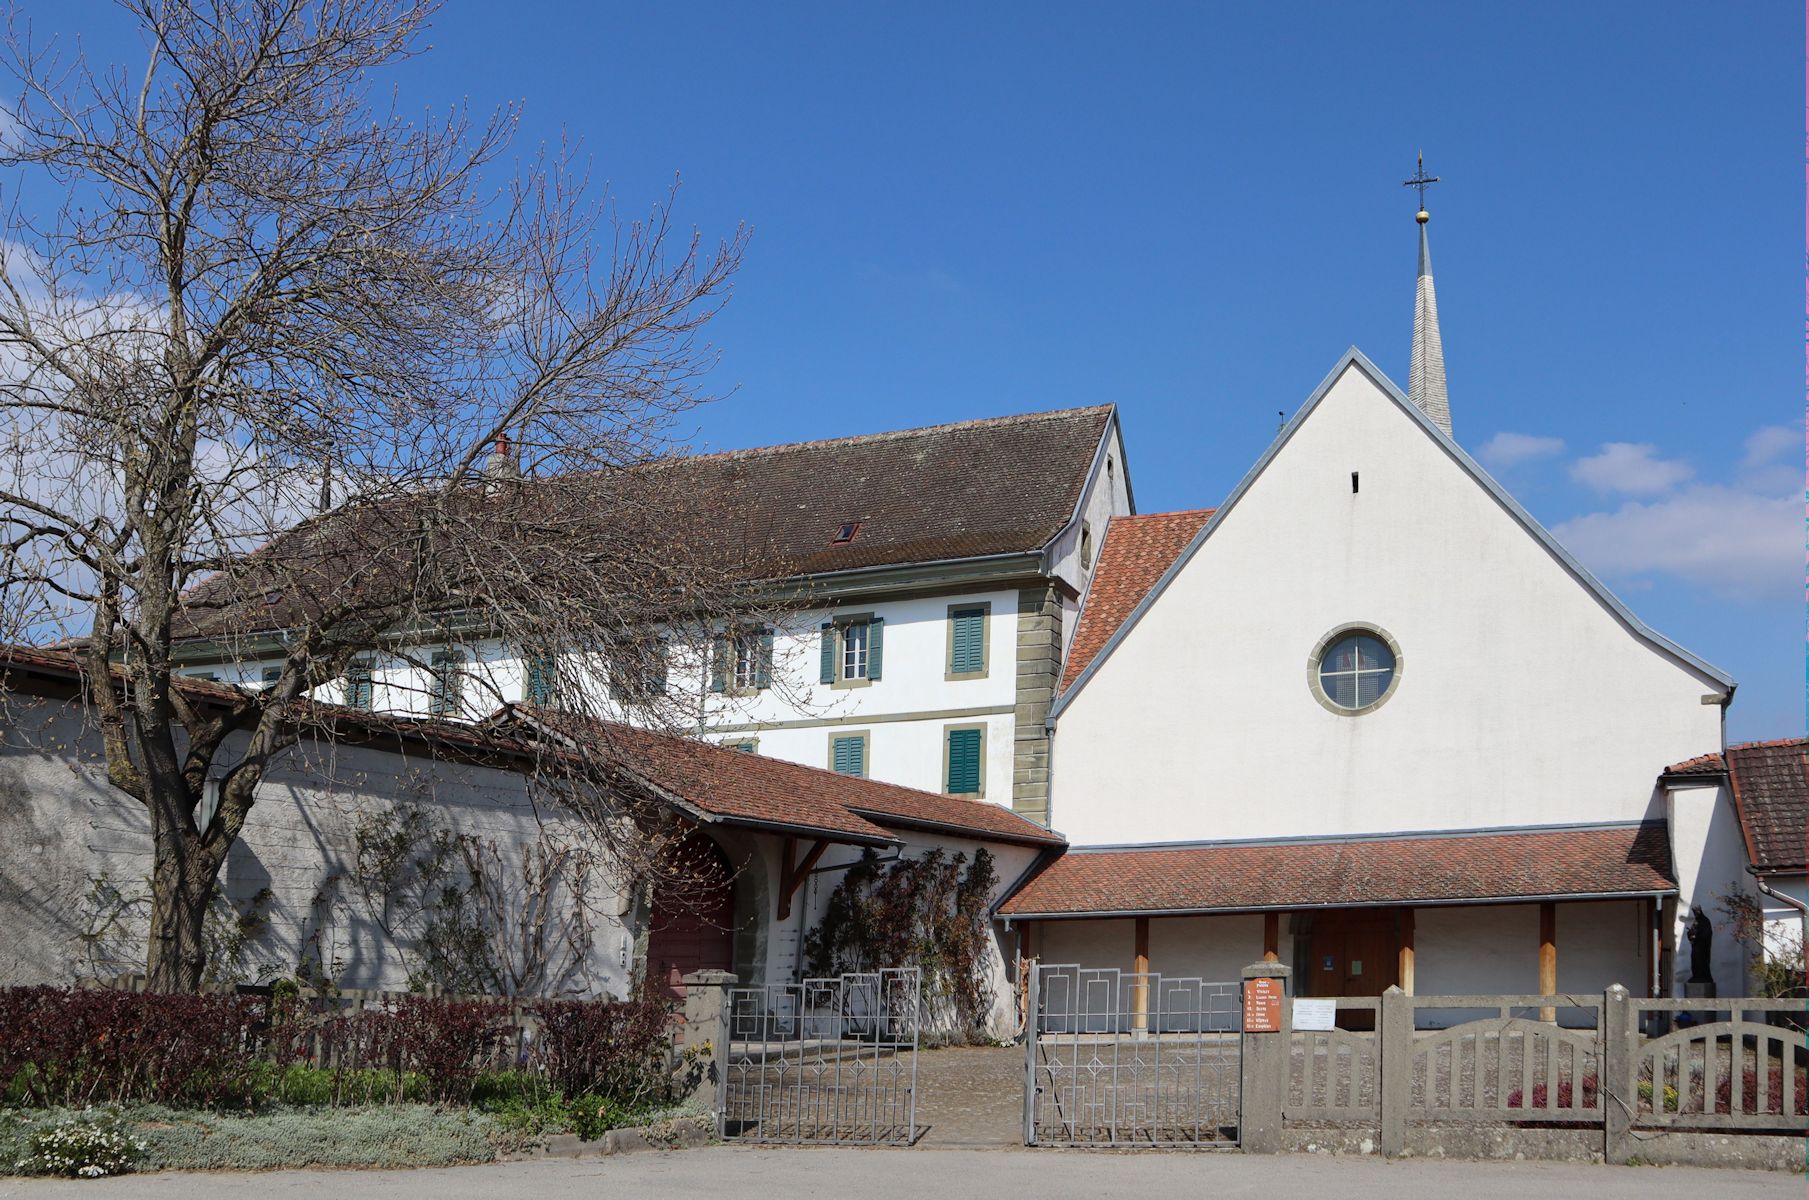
(1406, 971)
(1271, 937)
(1140, 989)
(1548, 957)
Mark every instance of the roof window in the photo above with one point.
(845, 533)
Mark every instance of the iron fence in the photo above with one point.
(1117, 1058)
(824, 1061)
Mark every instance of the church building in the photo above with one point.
(1367, 717)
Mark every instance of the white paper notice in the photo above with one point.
(1314, 1014)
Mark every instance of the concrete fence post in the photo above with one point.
(705, 1030)
(1268, 1037)
(1394, 1064)
(1618, 1086)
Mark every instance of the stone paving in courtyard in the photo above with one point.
(971, 1096)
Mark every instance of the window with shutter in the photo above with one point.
(542, 679)
(965, 753)
(358, 685)
(447, 686)
(967, 640)
(853, 648)
(848, 754)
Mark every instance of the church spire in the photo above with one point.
(1426, 375)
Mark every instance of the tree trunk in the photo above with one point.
(181, 886)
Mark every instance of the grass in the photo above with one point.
(279, 1137)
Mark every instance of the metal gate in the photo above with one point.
(825, 1060)
(1115, 1058)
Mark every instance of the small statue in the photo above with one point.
(1701, 933)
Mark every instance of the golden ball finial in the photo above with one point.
(1422, 216)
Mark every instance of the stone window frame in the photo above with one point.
(736, 743)
(1337, 634)
(865, 737)
(948, 652)
(956, 728)
(838, 623)
(1086, 546)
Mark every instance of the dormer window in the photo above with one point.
(845, 533)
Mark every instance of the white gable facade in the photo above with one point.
(1523, 697)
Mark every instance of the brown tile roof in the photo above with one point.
(1702, 764)
(752, 788)
(710, 779)
(976, 488)
(1771, 796)
(1135, 553)
(1420, 869)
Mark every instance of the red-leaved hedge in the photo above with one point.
(62, 1046)
(79, 1046)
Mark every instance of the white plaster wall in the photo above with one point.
(1211, 948)
(1494, 948)
(62, 828)
(1709, 856)
(1107, 495)
(1521, 700)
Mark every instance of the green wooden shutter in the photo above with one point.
(849, 757)
(763, 669)
(358, 690)
(541, 673)
(876, 646)
(656, 668)
(964, 761)
(828, 654)
(969, 653)
(719, 663)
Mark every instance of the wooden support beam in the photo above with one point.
(1548, 957)
(1140, 989)
(1406, 971)
(1272, 937)
(792, 876)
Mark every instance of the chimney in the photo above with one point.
(500, 468)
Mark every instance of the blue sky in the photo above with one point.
(1192, 209)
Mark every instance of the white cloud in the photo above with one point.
(1761, 470)
(1740, 544)
(1633, 468)
(1507, 449)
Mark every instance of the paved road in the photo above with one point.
(949, 1174)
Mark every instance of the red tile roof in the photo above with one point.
(1419, 869)
(1702, 764)
(711, 780)
(1135, 553)
(1771, 796)
(754, 789)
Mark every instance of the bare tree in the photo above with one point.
(266, 299)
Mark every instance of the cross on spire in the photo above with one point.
(1420, 180)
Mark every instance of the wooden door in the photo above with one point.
(693, 926)
(1356, 952)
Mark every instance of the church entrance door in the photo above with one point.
(693, 926)
(1355, 952)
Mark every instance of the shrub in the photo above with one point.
(620, 1050)
(1516, 1098)
(1772, 1101)
(87, 1145)
(77, 1047)
(449, 1041)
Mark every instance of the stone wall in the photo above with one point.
(75, 857)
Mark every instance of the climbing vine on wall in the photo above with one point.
(928, 912)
